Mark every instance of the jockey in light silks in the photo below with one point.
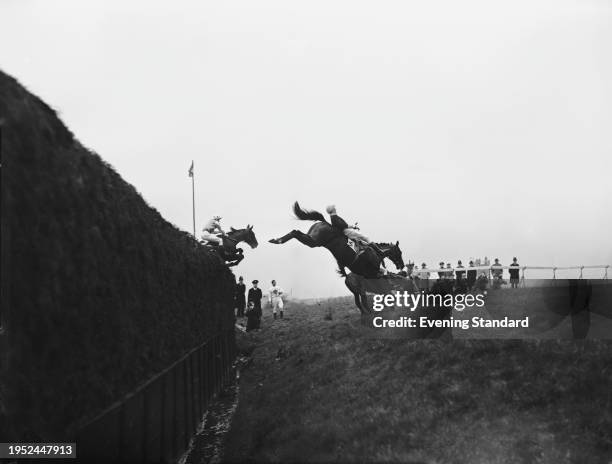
(351, 231)
(212, 231)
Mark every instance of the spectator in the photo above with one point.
(459, 271)
(471, 276)
(460, 284)
(275, 297)
(441, 271)
(411, 272)
(424, 275)
(449, 271)
(514, 273)
(487, 263)
(239, 297)
(254, 312)
(497, 271)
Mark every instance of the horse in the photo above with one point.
(359, 286)
(228, 252)
(399, 283)
(322, 234)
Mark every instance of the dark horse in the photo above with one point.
(228, 251)
(359, 287)
(398, 283)
(322, 234)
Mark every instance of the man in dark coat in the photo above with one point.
(471, 276)
(239, 301)
(254, 311)
(459, 280)
(514, 273)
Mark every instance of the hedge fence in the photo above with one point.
(99, 292)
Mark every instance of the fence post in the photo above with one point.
(200, 385)
(225, 360)
(186, 402)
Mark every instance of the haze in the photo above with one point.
(461, 129)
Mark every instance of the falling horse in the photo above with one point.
(228, 251)
(322, 234)
(359, 286)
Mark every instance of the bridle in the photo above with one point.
(386, 248)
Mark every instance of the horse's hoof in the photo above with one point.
(274, 240)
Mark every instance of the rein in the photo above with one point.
(231, 239)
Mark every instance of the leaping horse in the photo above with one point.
(228, 252)
(322, 234)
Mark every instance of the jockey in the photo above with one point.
(212, 231)
(351, 231)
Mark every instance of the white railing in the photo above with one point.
(490, 268)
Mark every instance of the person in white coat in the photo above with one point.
(275, 298)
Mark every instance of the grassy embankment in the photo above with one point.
(322, 389)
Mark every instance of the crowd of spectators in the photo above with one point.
(476, 275)
(250, 307)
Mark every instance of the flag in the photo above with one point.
(191, 170)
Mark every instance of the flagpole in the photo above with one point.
(193, 198)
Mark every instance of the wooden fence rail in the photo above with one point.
(156, 422)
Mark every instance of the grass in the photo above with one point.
(338, 394)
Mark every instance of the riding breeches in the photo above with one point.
(355, 235)
(277, 302)
(211, 237)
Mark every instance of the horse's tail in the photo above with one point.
(306, 214)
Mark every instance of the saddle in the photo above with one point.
(357, 246)
(361, 251)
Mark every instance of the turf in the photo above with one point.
(321, 388)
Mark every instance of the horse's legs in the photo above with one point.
(355, 291)
(364, 302)
(341, 268)
(366, 313)
(361, 298)
(299, 235)
(358, 302)
(361, 303)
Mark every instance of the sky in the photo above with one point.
(461, 129)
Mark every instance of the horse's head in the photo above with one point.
(244, 235)
(393, 252)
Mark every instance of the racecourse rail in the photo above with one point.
(490, 268)
(156, 422)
